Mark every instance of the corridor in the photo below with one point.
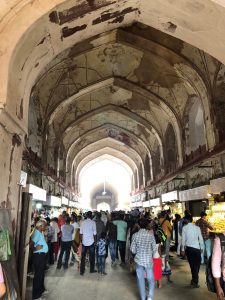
(120, 284)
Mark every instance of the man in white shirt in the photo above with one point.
(192, 244)
(88, 238)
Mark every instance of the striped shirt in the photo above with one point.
(144, 247)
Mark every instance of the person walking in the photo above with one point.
(101, 252)
(66, 242)
(111, 231)
(121, 237)
(176, 230)
(100, 226)
(205, 226)
(167, 228)
(51, 234)
(40, 249)
(143, 246)
(88, 238)
(192, 244)
(218, 266)
(55, 241)
(76, 234)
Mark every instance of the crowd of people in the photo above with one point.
(135, 240)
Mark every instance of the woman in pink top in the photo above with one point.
(2, 284)
(216, 269)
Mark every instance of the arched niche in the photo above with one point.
(195, 139)
(170, 149)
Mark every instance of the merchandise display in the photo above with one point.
(216, 215)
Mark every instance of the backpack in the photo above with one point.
(160, 232)
(210, 282)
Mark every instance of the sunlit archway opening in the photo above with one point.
(105, 184)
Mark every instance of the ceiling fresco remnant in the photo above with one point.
(87, 78)
(131, 86)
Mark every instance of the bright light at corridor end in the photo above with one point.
(115, 176)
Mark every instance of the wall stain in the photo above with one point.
(117, 14)
(117, 20)
(16, 142)
(20, 112)
(158, 71)
(78, 11)
(42, 41)
(66, 31)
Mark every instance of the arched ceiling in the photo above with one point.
(110, 144)
(105, 153)
(98, 75)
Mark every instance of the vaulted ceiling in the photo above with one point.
(100, 80)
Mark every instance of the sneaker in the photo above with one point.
(41, 298)
(149, 298)
(45, 292)
(195, 285)
(30, 275)
(104, 273)
(94, 271)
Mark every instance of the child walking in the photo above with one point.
(157, 263)
(101, 253)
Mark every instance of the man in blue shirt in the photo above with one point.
(40, 249)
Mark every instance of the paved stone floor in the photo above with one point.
(120, 284)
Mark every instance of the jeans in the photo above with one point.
(194, 259)
(121, 245)
(140, 271)
(51, 253)
(112, 249)
(39, 260)
(91, 257)
(65, 247)
(167, 245)
(207, 249)
(101, 263)
(179, 244)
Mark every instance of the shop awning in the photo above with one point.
(217, 185)
(139, 204)
(54, 201)
(197, 193)
(146, 203)
(155, 202)
(38, 193)
(72, 204)
(171, 196)
(65, 201)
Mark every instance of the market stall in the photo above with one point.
(38, 196)
(52, 206)
(216, 210)
(196, 200)
(171, 201)
(155, 206)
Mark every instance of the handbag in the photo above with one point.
(5, 248)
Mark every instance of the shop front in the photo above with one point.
(38, 196)
(196, 200)
(171, 201)
(155, 207)
(216, 209)
(52, 206)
